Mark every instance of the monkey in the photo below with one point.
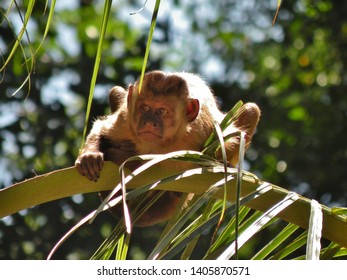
(171, 112)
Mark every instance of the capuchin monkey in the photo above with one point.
(172, 112)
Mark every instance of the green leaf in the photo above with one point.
(67, 182)
(149, 41)
(227, 120)
(292, 247)
(250, 231)
(104, 21)
(185, 238)
(339, 211)
(276, 242)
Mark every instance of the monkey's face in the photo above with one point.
(155, 119)
(160, 113)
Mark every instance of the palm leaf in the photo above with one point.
(314, 232)
(291, 247)
(55, 185)
(259, 223)
(275, 243)
(104, 21)
(21, 33)
(201, 226)
(149, 41)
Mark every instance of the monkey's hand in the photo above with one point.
(247, 122)
(89, 164)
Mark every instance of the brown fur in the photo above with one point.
(172, 112)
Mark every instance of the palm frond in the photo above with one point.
(104, 21)
(276, 242)
(149, 41)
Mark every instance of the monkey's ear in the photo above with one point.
(131, 96)
(116, 97)
(130, 92)
(193, 107)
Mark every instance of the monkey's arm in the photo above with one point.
(91, 160)
(103, 143)
(97, 148)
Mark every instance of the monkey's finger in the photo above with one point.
(94, 165)
(91, 172)
(84, 170)
(79, 167)
(96, 161)
(100, 163)
(82, 167)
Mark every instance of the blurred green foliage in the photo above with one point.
(295, 71)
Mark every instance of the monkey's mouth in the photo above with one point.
(149, 136)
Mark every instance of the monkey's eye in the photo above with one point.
(144, 108)
(162, 112)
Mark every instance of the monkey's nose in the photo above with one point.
(149, 124)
